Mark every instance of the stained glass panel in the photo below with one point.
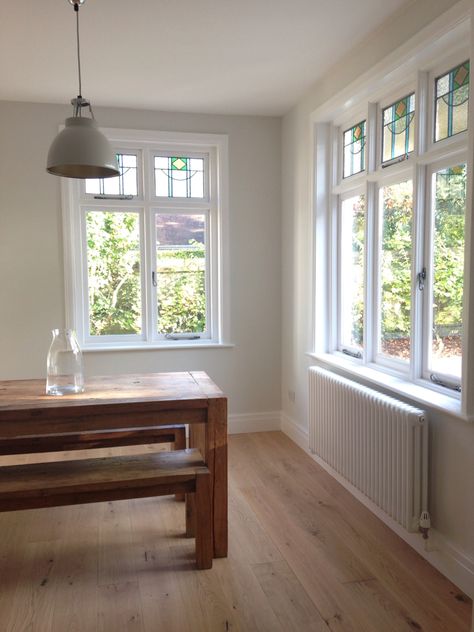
(179, 177)
(126, 183)
(398, 134)
(452, 99)
(354, 150)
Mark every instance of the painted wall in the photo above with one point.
(452, 440)
(31, 257)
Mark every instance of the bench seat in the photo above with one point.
(58, 483)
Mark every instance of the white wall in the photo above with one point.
(31, 265)
(452, 440)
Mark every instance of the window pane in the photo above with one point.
(398, 136)
(396, 253)
(179, 177)
(354, 150)
(452, 98)
(352, 271)
(113, 263)
(124, 184)
(448, 269)
(181, 273)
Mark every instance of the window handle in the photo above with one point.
(353, 354)
(454, 386)
(113, 197)
(421, 279)
(153, 278)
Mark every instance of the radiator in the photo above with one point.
(375, 442)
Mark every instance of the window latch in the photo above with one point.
(454, 386)
(421, 279)
(153, 278)
(353, 354)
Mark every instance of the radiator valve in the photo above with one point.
(425, 524)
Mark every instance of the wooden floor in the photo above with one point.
(304, 556)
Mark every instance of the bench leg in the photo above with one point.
(180, 444)
(190, 515)
(204, 547)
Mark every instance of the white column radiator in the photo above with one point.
(377, 443)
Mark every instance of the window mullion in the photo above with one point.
(422, 113)
(372, 137)
(370, 295)
(420, 257)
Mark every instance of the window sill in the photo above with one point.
(411, 390)
(168, 346)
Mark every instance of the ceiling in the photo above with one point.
(215, 56)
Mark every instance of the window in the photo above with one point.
(398, 134)
(448, 192)
(394, 296)
(144, 247)
(392, 259)
(354, 150)
(351, 269)
(452, 96)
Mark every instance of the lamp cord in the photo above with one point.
(76, 9)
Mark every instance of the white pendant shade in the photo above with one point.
(80, 150)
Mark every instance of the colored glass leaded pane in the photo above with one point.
(179, 177)
(451, 102)
(354, 150)
(126, 183)
(398, 136)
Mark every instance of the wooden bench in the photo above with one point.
(65, 442)
(58, 483)
(95, 439)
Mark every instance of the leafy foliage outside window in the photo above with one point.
(396, 269)
(181, 272)
(352, 257)
(181, 289)
(448, 268)
(113, 259)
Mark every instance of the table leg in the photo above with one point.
(211, 440)
(217, 418)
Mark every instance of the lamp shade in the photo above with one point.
(80, 150)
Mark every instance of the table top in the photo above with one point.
(183, 389)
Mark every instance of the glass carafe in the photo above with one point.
(65, 374)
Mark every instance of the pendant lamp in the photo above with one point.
(80, 150)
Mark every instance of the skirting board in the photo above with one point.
(254, 422)
(450, 561)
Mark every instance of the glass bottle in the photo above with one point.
(65, 373)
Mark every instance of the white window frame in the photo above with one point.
(214, 206)
(443, 163)
(355, 192)
(413, 68)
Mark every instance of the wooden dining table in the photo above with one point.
(119, 402)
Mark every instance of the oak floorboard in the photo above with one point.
(387, 556)
(289, 601)
(120, 608)
(303, 555)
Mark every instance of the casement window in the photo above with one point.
(144, 262)
(392, 260)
